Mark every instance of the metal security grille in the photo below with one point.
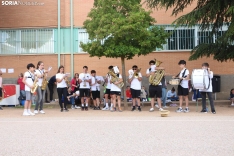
(83, 37)
(26, 41)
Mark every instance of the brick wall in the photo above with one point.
(46, 15)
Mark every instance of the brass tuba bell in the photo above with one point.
(156, 78)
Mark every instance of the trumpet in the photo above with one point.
(136, 73)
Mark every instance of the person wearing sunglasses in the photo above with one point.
(135, 79)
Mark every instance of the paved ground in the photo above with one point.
(127, 133)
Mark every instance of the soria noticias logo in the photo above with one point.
(29, 3)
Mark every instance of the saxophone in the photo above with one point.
(35, 85)
(44, 83)
(156, 78)
(115, 78)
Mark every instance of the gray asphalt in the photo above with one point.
(127, 133)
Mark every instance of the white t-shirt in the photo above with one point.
(39, 72)
(29, 80)
(210, 89)
(96, 86)
(135, 84)
(114, 87)
(148, 72)
(62, 84)
(84, 76)
(184, 83)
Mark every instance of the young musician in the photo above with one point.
(40, 72)
(154, 90)
(84, 80)
(1, 88)
(95, 88)
(183, 90)
(135, 80)
(28, 80)
(62, 88)
(116, 92)
(108, 88)
(207, 91)
(71, 97)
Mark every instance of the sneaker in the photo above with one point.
(151, 109)
(77, 107)
(160, 109)
(98, 108)
(86, 108)
(26, 113)
(82, 108)
(133, 108)
(113, 109)
(232, 104)
(213, 112)
(42, 112)
(32, 114)
(35, 112)
(157, 106)
(179, 110)
(1, 108)
(73, 107)
(66, 110)
(61, 110)
(203, 111)
(106, 108)
(139, 109)
(94, 108)
(186, 110)
(165, 107)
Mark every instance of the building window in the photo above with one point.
(26, 41)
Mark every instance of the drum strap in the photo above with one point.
(182, 75)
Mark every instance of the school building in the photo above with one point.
(51, 31)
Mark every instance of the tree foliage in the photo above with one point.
(210, 14)
(121, 28)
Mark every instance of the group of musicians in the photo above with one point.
(114, 82)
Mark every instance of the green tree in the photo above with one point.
(210, 14)
(121, 29)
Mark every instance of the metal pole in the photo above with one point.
(71, 42)
(58, 33)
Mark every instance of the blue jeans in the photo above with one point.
(196, 94)
(164, 96)
(72, 100)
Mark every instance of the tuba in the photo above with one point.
(35, 85)
(115, 78)
(156, 78)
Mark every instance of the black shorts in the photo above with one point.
(107, 91)
(95, 94)
(115, 93)
(135, 93)
(182, 91)
(0, 92)
(155, 90)
(84, 92)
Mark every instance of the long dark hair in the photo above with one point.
(39, 63)
(60, 68)
(231, 91)
(75, 75)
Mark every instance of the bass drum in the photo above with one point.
(200, 79)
